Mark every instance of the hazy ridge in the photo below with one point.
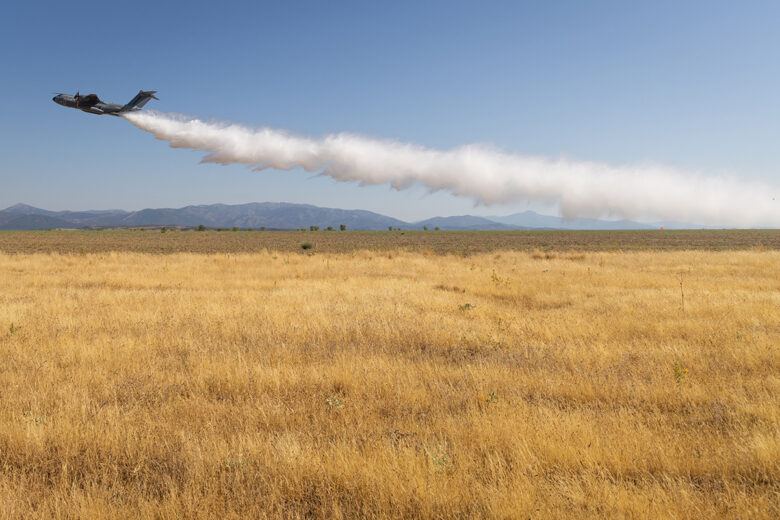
(281, 215)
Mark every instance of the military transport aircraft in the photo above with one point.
(91, 104)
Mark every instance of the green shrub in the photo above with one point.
(306, 245)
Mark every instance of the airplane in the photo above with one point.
(92, 104)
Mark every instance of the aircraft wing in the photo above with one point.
(89, 99)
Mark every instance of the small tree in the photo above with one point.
(201, 228)
(436, 228)
(342, 227)
(330, 228)
(389, 228)
(425, 228)
(235, 228)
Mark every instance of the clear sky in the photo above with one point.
(693, 85)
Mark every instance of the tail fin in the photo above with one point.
(140, 100)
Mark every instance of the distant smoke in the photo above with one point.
(488, 175)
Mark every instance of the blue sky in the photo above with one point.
(693, 85)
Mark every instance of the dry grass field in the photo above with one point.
(438, 242)
(512, 384)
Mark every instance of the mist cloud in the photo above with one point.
(483, 173)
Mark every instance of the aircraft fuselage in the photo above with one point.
(92, 104)
(111, 109)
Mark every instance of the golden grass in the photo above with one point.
(509, 385)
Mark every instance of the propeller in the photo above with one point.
(76, 97)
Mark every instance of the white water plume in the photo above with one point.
(488, 175)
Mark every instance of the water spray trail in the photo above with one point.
(489, 176)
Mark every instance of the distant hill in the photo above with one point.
(535, 220)
(281, 215)
(69, 219)
(30, 222)
(272, 215)
(465, 222)
(24, 209)
(531, 219)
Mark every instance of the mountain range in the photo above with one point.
(281, 215)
